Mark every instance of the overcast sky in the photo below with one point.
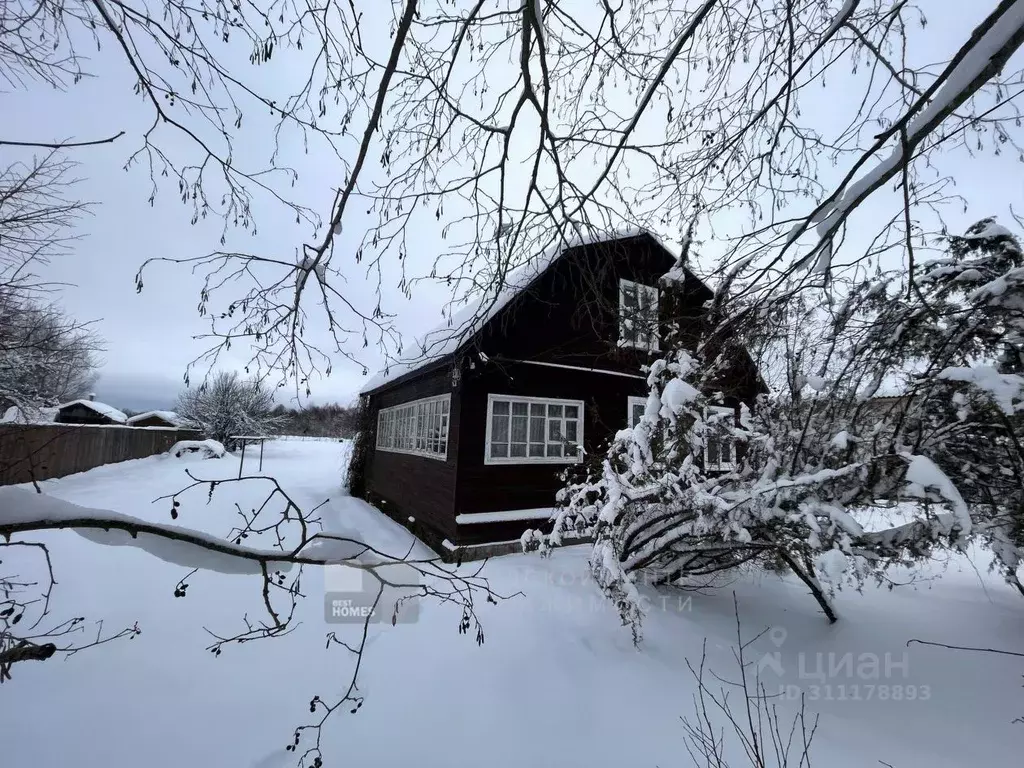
(149, 335)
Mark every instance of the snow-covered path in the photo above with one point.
(557, 682)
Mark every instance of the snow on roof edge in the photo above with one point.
(168, 416)
(464, 324)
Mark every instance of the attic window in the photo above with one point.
(638, 316)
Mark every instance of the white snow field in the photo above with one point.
(556, 683)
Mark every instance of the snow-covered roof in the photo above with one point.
(101, 408)
(169, 416)
(447, 338)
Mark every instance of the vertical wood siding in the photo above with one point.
(44, 451)
(416, 486)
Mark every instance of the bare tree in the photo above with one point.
(754, 724)
(540, 121)
(330, 420)
(45, 356)
(38, 214)
(227, 406)
(514, 126)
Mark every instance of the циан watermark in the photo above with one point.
(835, 676)
(354, 595)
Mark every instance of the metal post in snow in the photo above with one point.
(241, 461)
(262, 441)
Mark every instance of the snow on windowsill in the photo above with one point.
(507, 516)
(451, 547)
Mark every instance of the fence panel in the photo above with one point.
(43, 451)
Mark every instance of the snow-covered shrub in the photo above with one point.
(229, 406)
(823, 445)
(366, 433)
(207, 449)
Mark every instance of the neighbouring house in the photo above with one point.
(466, 443)
(89, 411)
(157, 419)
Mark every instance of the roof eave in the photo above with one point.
(423, 370)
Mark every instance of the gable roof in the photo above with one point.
(443, 342)
(169, 416)
(101, 408)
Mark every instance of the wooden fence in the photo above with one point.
(42, 451)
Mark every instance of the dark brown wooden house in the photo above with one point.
(469, 440)
(89, 412)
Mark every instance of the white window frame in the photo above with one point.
(546, 401)
(653, 341)
(730, 414)
(631, 403)
(402, 421)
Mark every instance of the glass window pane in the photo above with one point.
(554, 449)
(519, 429)
(571, 412)
(500, 406)
(536, 449)
(537, 409)
(519, 409)
(537, 430)
(570, 431)
(555, 411)
(518, 449)
(554, 430)
(499, 429)
(712, 451)
(629, 298)
(499, 450)
(571, 449)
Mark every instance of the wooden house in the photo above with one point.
(157, 419)
(89, 412)
(468, 440)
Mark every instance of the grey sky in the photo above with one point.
(149, 336)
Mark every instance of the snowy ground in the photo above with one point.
(557, 681)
